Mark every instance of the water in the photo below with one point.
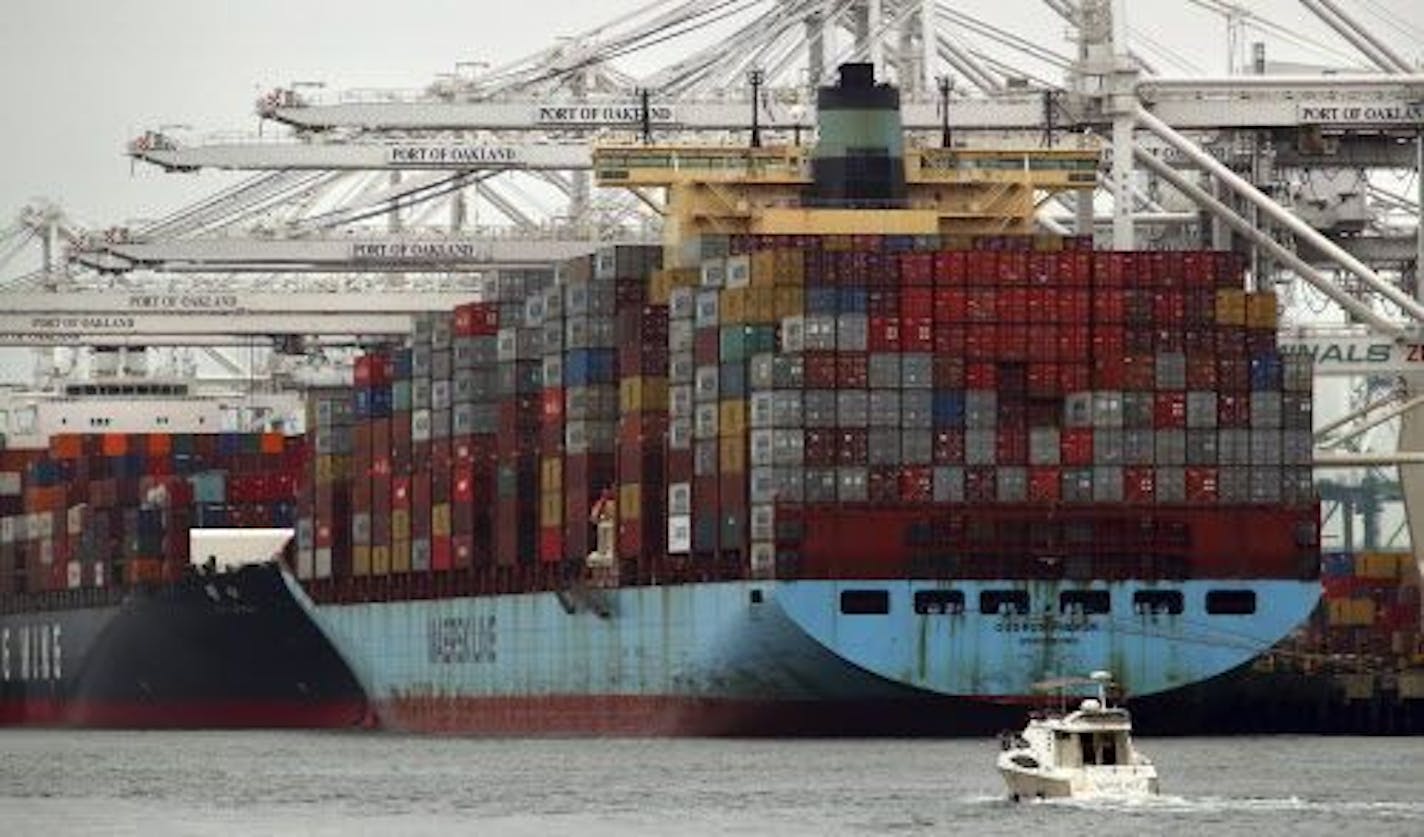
(216, 783)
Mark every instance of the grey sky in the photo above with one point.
(79, 79)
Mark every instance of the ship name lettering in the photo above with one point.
(39, 653)
(461, 639)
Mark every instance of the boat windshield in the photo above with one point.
(1103, 748)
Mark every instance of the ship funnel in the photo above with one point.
(858, 162)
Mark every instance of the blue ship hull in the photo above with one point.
(774, 657)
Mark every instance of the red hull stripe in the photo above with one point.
(183, 714)
(639, 715)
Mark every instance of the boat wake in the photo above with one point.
(1167, 803)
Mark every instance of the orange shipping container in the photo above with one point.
(160, 444)
(115, 444)
(272, 443)
(67, 446)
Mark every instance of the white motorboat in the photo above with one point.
(1087, 753)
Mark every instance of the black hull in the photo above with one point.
(235, 649)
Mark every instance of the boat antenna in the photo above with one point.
(1102, 678)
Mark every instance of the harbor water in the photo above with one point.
(56, 782)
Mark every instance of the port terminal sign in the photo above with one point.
(455, 156)
(1382, 113)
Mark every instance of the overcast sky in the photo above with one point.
(78, 79)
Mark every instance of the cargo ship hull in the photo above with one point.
(233, 649)
(773, 658)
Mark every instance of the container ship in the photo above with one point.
(105, 618)
(852, 451)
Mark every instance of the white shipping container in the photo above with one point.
(680, 498)
(793, 334)
(763, 525)
(759, 411)
(713, 273)
(306, 562)
(762, 442)
(10, 484)
(763, 561)
(679, 536)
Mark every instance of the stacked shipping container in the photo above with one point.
(115, 510)
(806, 405)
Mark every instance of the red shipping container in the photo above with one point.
(1233, 409)
(1139, 485)
(980, 484)
(464, 490)
(951, 305)
(853, 446)
(1109, 306)
(1201, 372)
(917, 334)
(948, 447)
(1013, 342)
(1012, 267)
(1108, 372)
(950, 267)
(1110, 269)
(1201, 485)
(1169, 409)
(917, 269)
(820, 370)
(1045, 484)
(400, 492)
(1043, 380)
(477, 319)
(1233, 373)
(1011, 445)
(1139, 372)
(552, 407)
(948, 340)
(466, 553)
(982, 305)
(821, 448)
(1076, 446)
(1169, 308)
(1043, 343)
(916, 303)
(981, 342)
(852, 370)
(916, 484)
(883, 485)
(1074, 342)
(1012, 305)
(948, 371)
(551, 545)
(979, 375)
(884, 334)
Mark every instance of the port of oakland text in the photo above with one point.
(31, 652)
(602, 115)
(453, 155)
(183, 302)
(423, 251)
(453, 640)
(1397, 113)
(81, 324)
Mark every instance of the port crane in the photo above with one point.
(1257, 128)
